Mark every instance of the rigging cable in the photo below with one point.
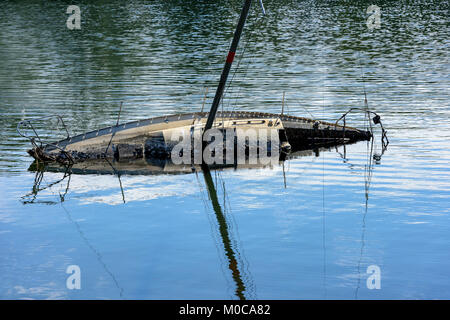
(247, 41)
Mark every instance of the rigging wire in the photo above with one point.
(236, 240)
(214, 230)
(256, 25)
(368, 171)
(87, 241)
(304, 108)
(323, 187)
(366, 103)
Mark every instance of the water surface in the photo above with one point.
(305, 229)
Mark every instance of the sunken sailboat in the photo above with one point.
(153, 137)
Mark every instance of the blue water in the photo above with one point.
(305, 229)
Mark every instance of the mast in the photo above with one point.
(227, 66)
(224, 233)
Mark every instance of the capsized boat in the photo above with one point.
(153, 137)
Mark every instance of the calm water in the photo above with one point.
(308, 229)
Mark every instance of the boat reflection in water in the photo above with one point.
(225, 234)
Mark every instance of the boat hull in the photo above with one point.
(153, 137)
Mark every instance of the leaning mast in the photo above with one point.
(227, 66)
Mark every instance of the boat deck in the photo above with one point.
(288, 121)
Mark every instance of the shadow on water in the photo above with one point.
(222, 226)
